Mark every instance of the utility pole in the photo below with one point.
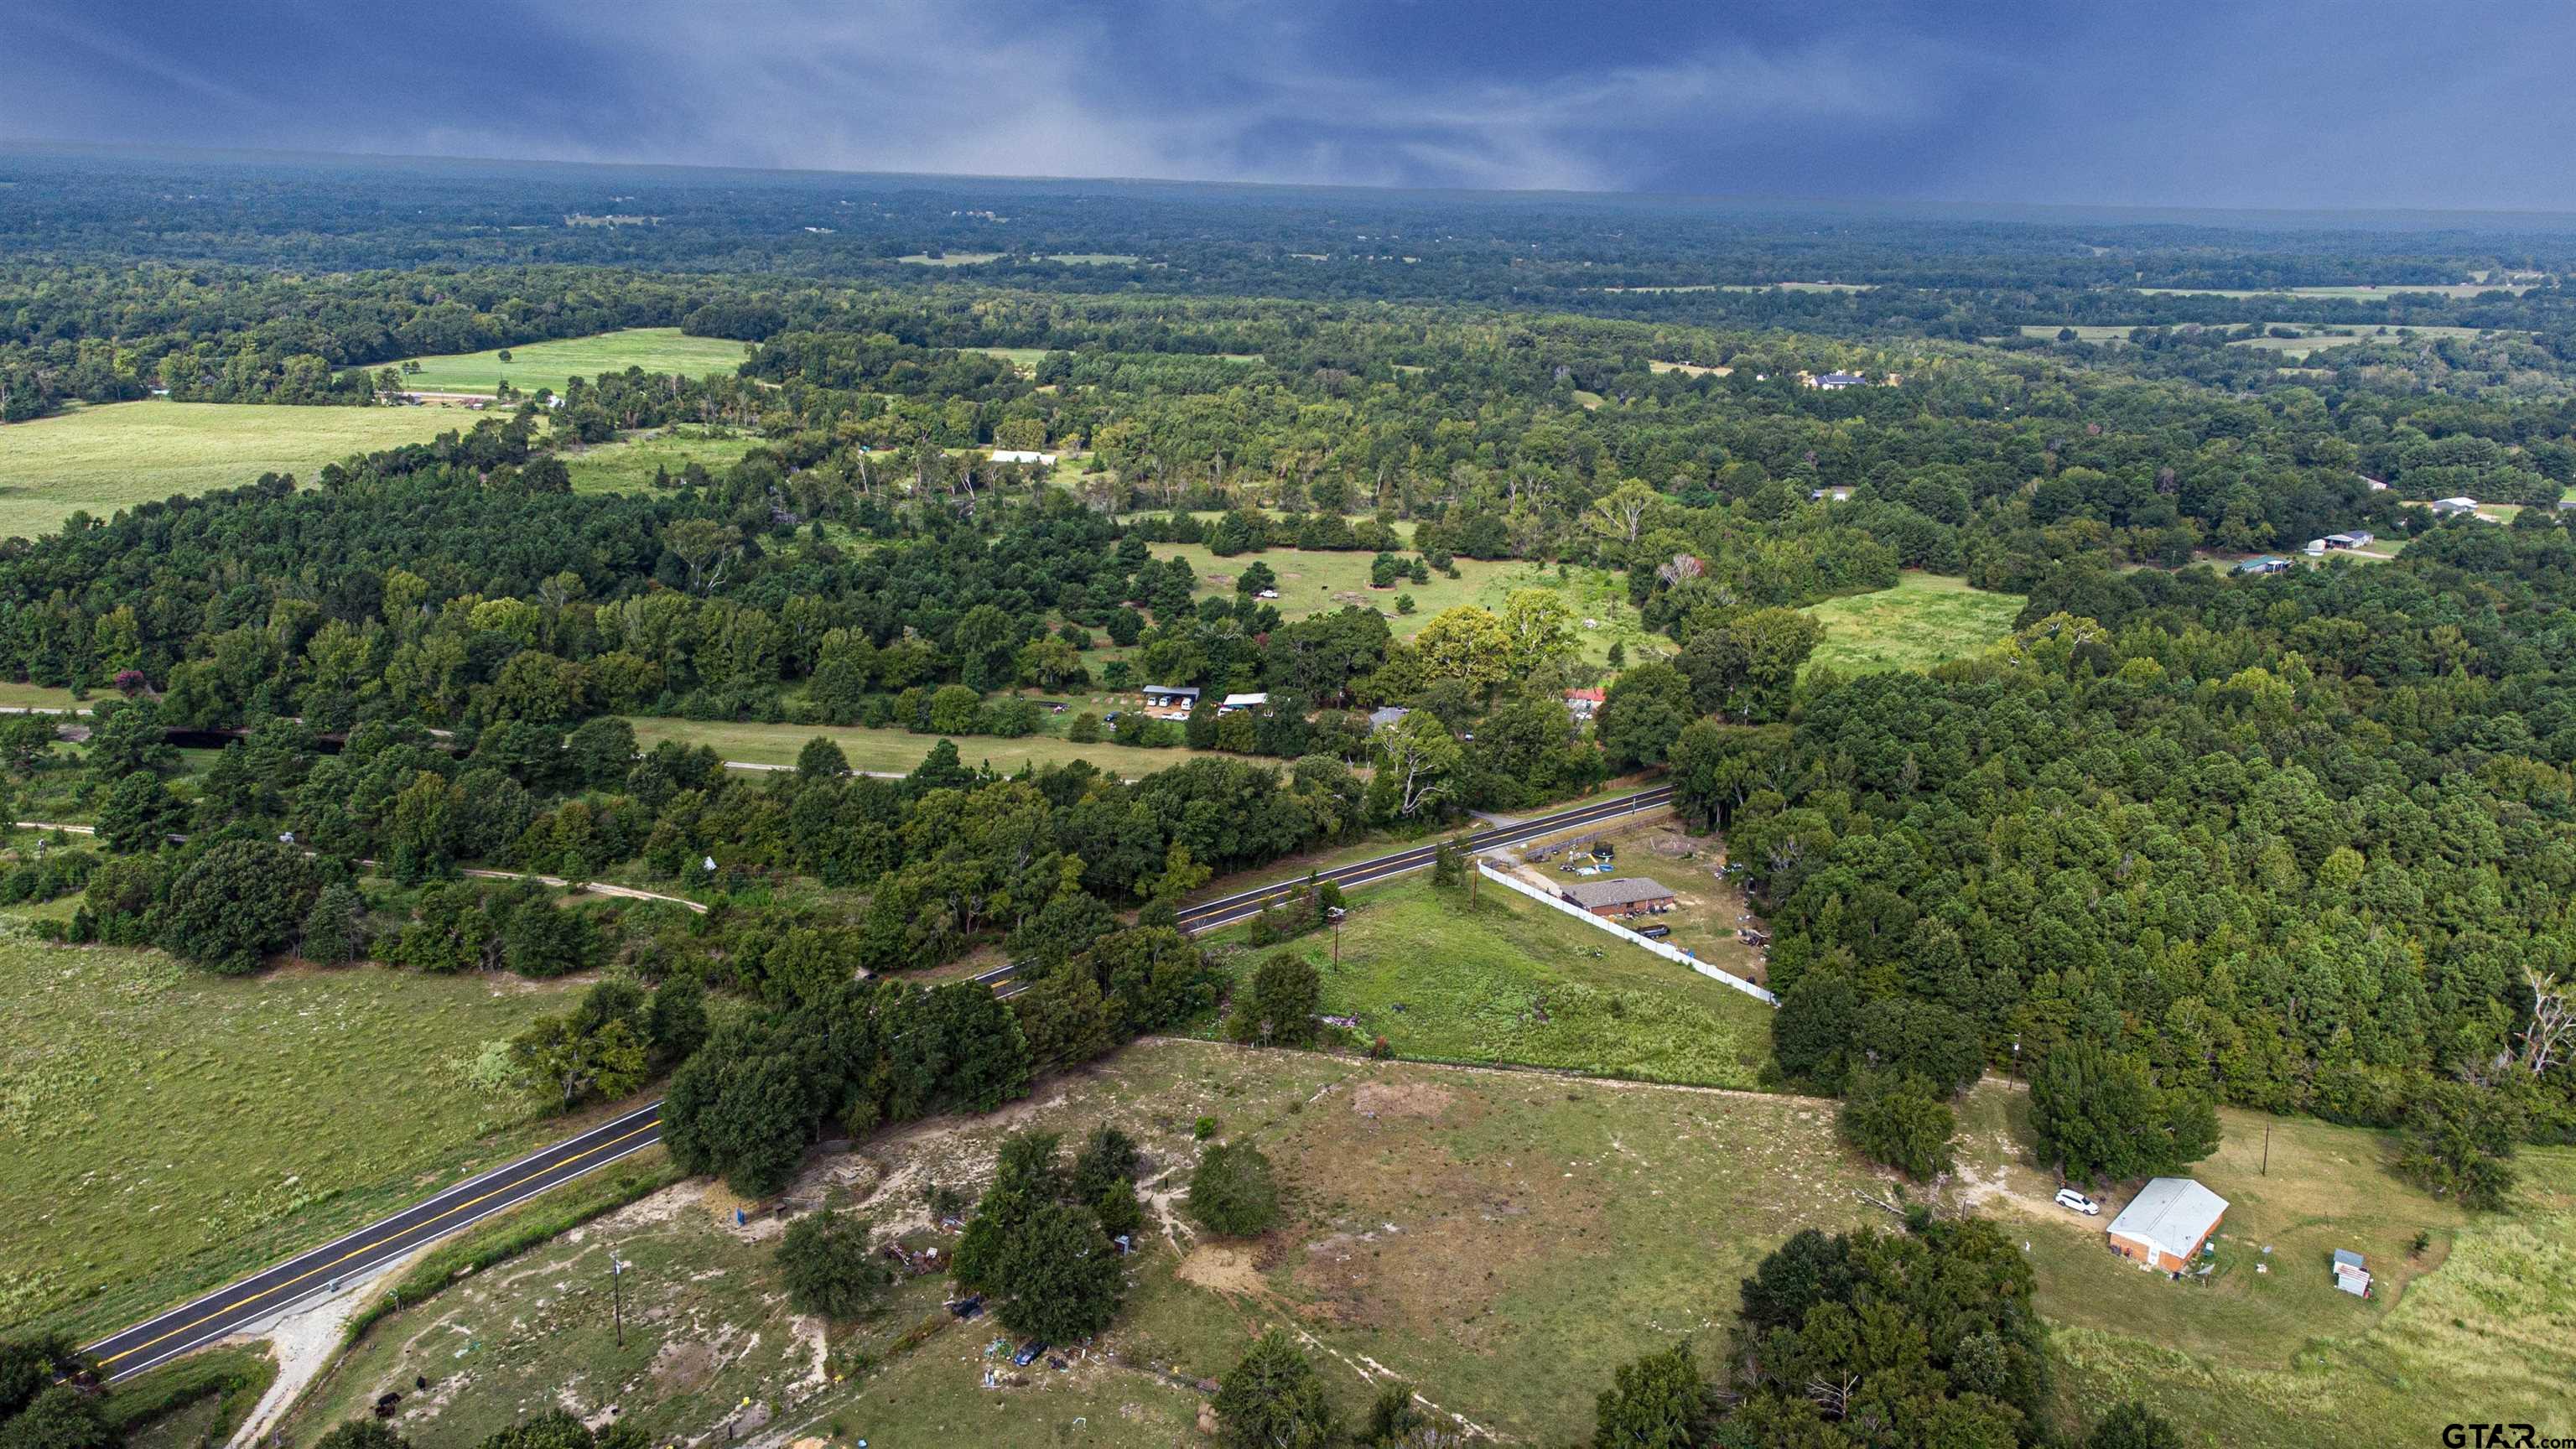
(2267, 1146)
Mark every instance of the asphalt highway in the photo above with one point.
(321, 1270)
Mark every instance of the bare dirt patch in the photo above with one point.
(1220, 1269)
(1400, 1099)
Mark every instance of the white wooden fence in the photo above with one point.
(1669, 953)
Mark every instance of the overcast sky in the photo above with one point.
(2254, 103)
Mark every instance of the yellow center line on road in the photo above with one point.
(371, 1247)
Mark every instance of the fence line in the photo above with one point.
(1670, 953)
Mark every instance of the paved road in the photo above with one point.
(227, 1310)
(231, 1309)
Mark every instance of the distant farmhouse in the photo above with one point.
(1584, 703)
(2164, 1226)
(1022, 455)
(2453, 507)
(1837, 381)
(2264, 565)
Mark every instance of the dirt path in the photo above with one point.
(306, 1341)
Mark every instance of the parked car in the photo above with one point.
(2076, 1202)
(1656, 933)
(1029, 1352)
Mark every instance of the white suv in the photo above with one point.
(2076, 1202)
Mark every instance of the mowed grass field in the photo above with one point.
(552, 364)
(2269, 1352)
(627, 465)
(1321, 581)
(1924, 620)
(166, 1129)
(1500, 1240)
(894, 751)
(102, 458)
(1502, 979)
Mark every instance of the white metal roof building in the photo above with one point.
(2165, 1224)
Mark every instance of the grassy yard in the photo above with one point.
(900, 751)
(103, 458)
(1320, 581)
(627, 466)
(1500, 1240)
(552, 364)
(1924, 620)
(2269, 1352)
(40, 696)
(1506, 980)
(166, 1129)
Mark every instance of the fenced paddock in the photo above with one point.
(1670, 953)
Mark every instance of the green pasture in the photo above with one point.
(105, 457)
(533, 365)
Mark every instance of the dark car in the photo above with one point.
(1029, 1352)
(1655, 933)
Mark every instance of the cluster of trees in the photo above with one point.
(1924, 1336)
(856, 1054)
(41, 1407)
(1044, 1243)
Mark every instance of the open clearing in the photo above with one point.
(1505, 980)
(627, 466)
(894, 751)
(534, 365)
(1501, 1240)
(2314, 336)
(1754, 287)
(1320, 581)
(2356, 294)
(166, 1129)
(2479, 1327)
(1924, 620)
(110, 456)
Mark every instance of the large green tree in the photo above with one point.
(1273, 1399)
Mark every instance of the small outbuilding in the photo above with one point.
(2453, 507)
(1584, 703)
(2164, 1226)
(1169, 695)
(1023, 455)
(1241, 701)
(1387, 714)
(1618, 896)
(2264, 565)
(2352, 1273)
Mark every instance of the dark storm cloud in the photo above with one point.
(2254, 103)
